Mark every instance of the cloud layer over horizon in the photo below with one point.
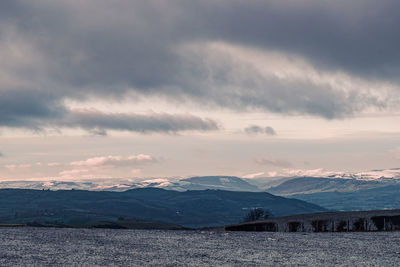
(293, 57)
(232, 80)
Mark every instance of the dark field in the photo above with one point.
(105, 247)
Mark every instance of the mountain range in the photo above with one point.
(281, 185)
(343, 194)
(229, 183)
(376, 189)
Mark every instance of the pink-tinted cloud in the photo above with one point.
(276, 162)
(253, 175)
(395, 153)
(53, 164)
(131, 160)
(14, 167)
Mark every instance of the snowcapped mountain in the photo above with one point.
(376, 189)
(384, 174)
(310, 185)
(323, 181)
(330, 181)
(372, 190)
(229, 183)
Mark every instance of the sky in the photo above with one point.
(175, 88)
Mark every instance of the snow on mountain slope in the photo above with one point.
(374, 178)
(388, 174)
(309, 185)
(229, 183)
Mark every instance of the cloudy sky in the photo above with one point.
(167, 88)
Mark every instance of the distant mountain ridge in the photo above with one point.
(343, 194)
(380, 198)
(308, 185)
(374, 189)
(230, 183)
(279, 185)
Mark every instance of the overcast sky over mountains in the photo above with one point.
(103, 88)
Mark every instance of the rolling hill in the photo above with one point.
(198, 208)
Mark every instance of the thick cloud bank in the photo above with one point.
(99, 122)
(331, 59)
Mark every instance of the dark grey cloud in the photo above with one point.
(255, 129)
(54, 50)
(38, 110)
(23, 108)
(99, 122)
(98, 132)
(248, 89)
(276, 162)
(357, 36)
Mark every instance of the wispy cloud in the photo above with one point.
(255, 129)
(276, 162)
(253, 175)
(395, 153)
(107, 166)
(289, 172)
(54, 164)
(13, 167)
(77, 174)
(131, 160)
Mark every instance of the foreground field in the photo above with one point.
(106, 247)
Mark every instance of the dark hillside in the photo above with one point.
(189, 208)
